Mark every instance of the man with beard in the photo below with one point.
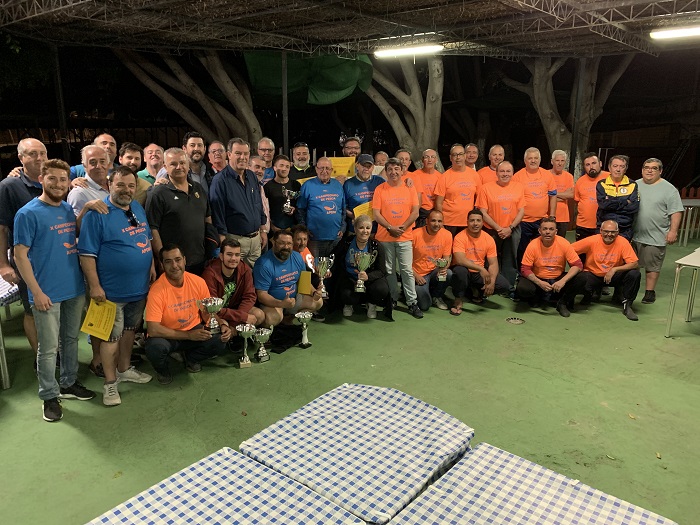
(178, 210)
(227, 278)
(425, 179)
(475, 271)
(176, 320)
(108, 244)
(153, 155)
(431, 242)
(301, 167)
(585, 195)
(47, 258)
(456, 191)
(276, 276)
(193, 145)
(352, 147)
(130, 155)
(488, 173)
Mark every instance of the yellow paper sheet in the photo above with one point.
(364, 209)
(304, 286)
(344, 166)
(302, 181)
(99, 319)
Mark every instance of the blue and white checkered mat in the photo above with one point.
(368, 449)
(492, 486)
(227, 487)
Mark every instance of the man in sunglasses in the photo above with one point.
(108, 244)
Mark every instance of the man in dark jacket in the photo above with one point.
(232, 281)
(618, 197)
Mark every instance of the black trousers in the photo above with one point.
(528, 290)
(625, 282)
(376, 292)
(528, 231)
(468, 284)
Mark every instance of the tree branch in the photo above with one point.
(389, 113)
(608, 83)
(557, 65)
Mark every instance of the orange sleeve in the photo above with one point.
(531, 254)
(628, 254)
(552, 186)
(571, 255)
(489, 245)
(154, 304)
(458, 243)
(446, 243)
(440, 185)
(583, 245)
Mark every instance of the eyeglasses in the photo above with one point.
(609, 232)
(321, 168)
(217, 151)
(457, 154)
(132, 218)
(266, 150)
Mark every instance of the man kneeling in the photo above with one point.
(175, 319)
(276, 276)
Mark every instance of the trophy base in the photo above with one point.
(442, 278)
(262, 357)
(216, 330)
(244, 362)
(360, 290)
(305, 345)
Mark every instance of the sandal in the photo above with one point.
(456, 310)
(97, 370)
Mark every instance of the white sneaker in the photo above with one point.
(110, 395)
(347, 310)
(371, 311)
(132, 375)
(439, 303)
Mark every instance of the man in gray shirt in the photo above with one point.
(656, 225)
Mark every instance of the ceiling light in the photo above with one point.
(408, 51)
(675, 33)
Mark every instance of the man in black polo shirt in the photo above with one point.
(15, 192)
(177, 212)
(236, 202)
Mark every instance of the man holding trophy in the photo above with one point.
(178, 307)
(282, 193)
(361, 276)
(432, 254)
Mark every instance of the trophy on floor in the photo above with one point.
(303, 319)
(212, 305)
(262, 336)
(246, 331)
(290, 194)
(441, 262)
(363, 260)
(322, 265)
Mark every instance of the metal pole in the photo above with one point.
(285, 105)
(58, 89)
(577, 116)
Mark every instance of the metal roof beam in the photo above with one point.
(13, 12)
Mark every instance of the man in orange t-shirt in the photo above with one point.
(585, 196)
(456, 191)
(540, 197)
(503, 206)
(395, 209)
(425, 180)
(430, 243)
(610, 260)
(543, 269)
(565, 190)
(488, 173)
(475, 265)
(174, 318)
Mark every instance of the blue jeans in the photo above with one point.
(158, 349)
(403, 252)
(60, 323)
(432, 288)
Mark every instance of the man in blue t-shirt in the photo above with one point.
(47, 259)
(276, 275)
(360, 188)
(321, 207)
(117, 260)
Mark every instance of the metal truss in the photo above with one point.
(19, 11)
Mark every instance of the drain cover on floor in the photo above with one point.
(515, 320)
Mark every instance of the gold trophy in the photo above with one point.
(262, 336)
(212, 305)
(303, 319)
(363, 260)
(322, 265)
(441, 262)
(246, 331)
(290, 194)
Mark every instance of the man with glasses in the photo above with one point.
(108, 243)
(301, 159)
(217, 156)
(610, 260)
(352, 147)
(456, 191)
(660, 212)
(618, 197)
(266, 150)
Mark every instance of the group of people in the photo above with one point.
(159, 241)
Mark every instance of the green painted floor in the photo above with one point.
(595, 397)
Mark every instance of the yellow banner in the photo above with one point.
(364, 209)
(304, 285)
(344, 166)
(99, 319)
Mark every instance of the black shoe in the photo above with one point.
(136, 359)
(616, 298)
(52, 410)
(165, 378)
(77, 391)
(193, 368)
(389, 310)
(318, 317)
(415, 311)
(587, 299)
(562, 309)
(629, 313)
(605, 290)
(649, 297)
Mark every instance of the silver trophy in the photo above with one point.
(246, 331)
(212, 305)
(303, 319)
(363, 260)
(442, 262)
(290, 194)
(322, 265)
(262, 335)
